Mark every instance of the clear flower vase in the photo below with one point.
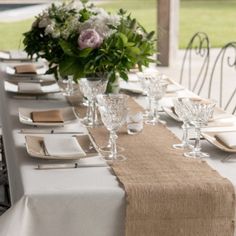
(66, 85)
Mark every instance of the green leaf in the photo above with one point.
(66, 47)
(68, 66)
(123, 38)
(135, 50)
(124, 76)
(85, 52)
(150, 35)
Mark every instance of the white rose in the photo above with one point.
(44, 22)
(49, 29)
(56, 34)
(35, 23)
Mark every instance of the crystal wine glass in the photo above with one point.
(199, 113)
(113, 110)
(91, 88)
(181, 110)
(85, 91)
(156, 91)
(144, 81)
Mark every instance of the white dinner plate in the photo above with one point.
(36, 148)
(210, 136)
(46, 87)
(170, 112)
(68, 114)
(14, 56)
(40, 69)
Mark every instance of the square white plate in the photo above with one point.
(14, 56)
(68, 114)
(210, 137)
(40, 69)
(35, 148)
(46, 87)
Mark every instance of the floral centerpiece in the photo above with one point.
(82, 40)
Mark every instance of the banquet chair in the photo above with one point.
(197, 53)
(5, 204)
(222, 84)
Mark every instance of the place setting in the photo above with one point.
(138, 83)
(208, 121)
(58, 135)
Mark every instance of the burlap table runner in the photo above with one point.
(166, 193)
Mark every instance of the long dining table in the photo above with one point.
(76, 201)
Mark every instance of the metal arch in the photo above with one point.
(230, 62)
(199, 45)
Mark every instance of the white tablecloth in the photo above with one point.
(83, 201)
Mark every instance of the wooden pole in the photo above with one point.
(167, 30)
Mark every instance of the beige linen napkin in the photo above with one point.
(227, 138)
(26, 69)
(47, 116)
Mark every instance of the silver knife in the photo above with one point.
(48, 131)
(68, 166)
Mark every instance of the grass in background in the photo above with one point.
(144, 11)
(11, 34)
(215, 17)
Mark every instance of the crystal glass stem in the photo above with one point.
(196, 153)
(185, 140)
(89, 112)
(197, 145)
(70, 88)
(94, 112)
(148, 107)
(155, 109)
(113, 138)
(153, 117)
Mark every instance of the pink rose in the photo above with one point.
(89, 38)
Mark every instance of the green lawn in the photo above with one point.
(216, 18)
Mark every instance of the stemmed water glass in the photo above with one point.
(199, 113)
(182, 112)
(156, 90)
(144, 81)
(90, 89)
(113, 110)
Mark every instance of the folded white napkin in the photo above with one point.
(51, 88)
(63, 146)
(29, 87)
(171, 88)
(132, 87)
(10, 87)
(4, 55)
(228, 138)
(17, 55)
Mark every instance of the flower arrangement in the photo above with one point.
(85, 41)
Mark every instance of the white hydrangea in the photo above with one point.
(49, 29)
(100, 22)
(56, 34)
(71, 26)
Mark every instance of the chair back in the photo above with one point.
(197, 52)
(222, 84)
